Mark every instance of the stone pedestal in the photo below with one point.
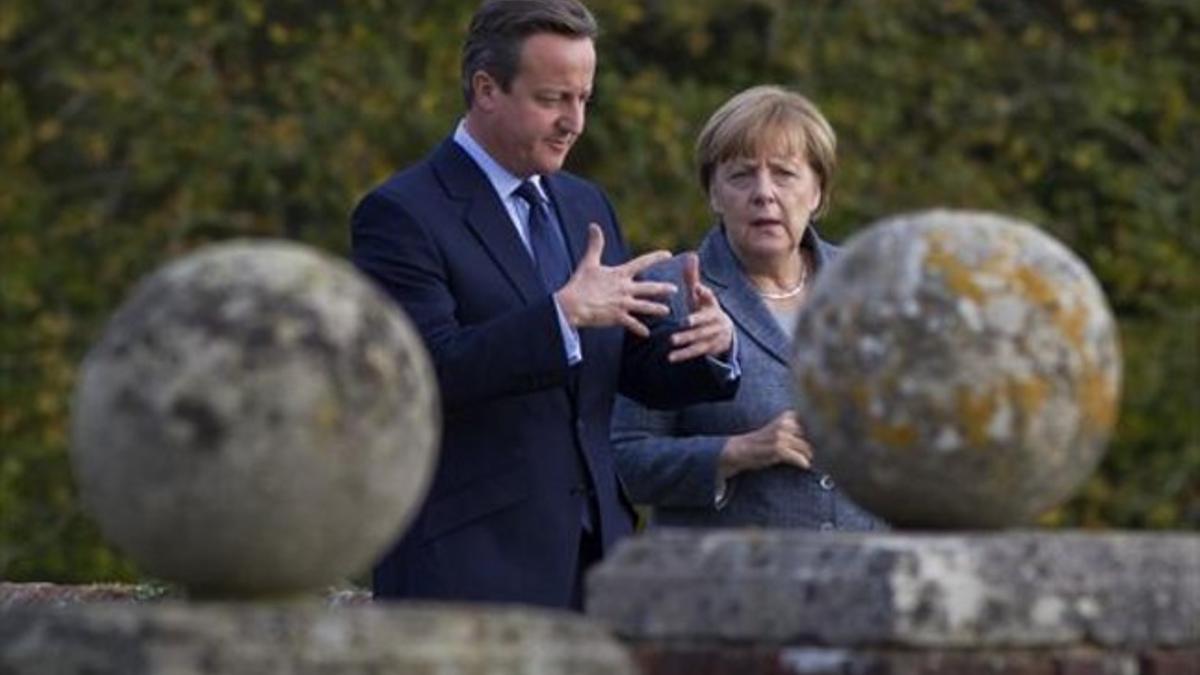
(302, 639)
(807, 602)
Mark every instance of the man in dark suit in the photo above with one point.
(516, 276)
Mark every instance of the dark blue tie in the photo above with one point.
(549, 251)
(550, 255)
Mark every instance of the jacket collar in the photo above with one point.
(723, 272)
(486, 217)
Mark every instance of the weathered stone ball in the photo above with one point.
(957, 370)
(256, 420)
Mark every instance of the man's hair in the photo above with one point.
(499, 28)
(769, 120)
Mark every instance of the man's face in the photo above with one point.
(531, 128)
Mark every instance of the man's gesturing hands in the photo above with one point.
(710, 331)
(597, 295)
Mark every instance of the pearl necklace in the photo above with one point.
(791, 292)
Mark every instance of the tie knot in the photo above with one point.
(529, 192)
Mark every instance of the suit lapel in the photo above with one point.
(487, 218)
(723, 273)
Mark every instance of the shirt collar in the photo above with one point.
(502, 180)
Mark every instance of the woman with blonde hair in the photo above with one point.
(766, 161)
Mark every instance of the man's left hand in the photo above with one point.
(709, 329)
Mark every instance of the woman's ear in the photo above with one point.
(713, 203)
(815, 204)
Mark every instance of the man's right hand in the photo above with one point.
(596, 295)
(780, 441)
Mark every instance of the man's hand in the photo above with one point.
(710, 330)
(781, 441)
(596, 295)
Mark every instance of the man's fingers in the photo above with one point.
(636, 306)
(702, 296)
(634, 326)
(635, 266)
(691, 277)
(702, 333)
(685, 353)
(708, 316)
(595, 246)
(691, 269)
(691, 349)
(651, 289)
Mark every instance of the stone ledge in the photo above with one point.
(302, 639)
(972, 590)
(724, 660)
(40, 594)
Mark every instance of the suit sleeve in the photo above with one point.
(515, 352)
(658, 467)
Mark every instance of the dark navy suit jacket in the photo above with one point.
(525, 436)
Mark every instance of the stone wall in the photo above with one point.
(739, 602)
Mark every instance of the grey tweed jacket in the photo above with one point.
(668, 459)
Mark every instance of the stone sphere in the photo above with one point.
(957, 369)
(256, 420)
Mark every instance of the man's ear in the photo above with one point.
(485, 88)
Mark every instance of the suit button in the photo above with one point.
(826, 482)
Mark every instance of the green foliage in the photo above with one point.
(133, 132)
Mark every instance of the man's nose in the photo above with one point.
(574, 116)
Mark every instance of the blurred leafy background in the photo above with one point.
(133, 132)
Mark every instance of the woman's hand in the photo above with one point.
(780, 441)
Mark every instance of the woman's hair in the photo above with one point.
(769, 120)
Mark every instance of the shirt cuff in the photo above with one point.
(727, 364)
(571, 345)
(723, 493)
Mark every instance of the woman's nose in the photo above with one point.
(762, 189)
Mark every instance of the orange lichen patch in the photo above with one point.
(1072, 322)
(957, 275)
(1097, 398)
(1032, 285)
(974, 412)
(1028, 395)
(897, 435)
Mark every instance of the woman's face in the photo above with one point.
(766, 203)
